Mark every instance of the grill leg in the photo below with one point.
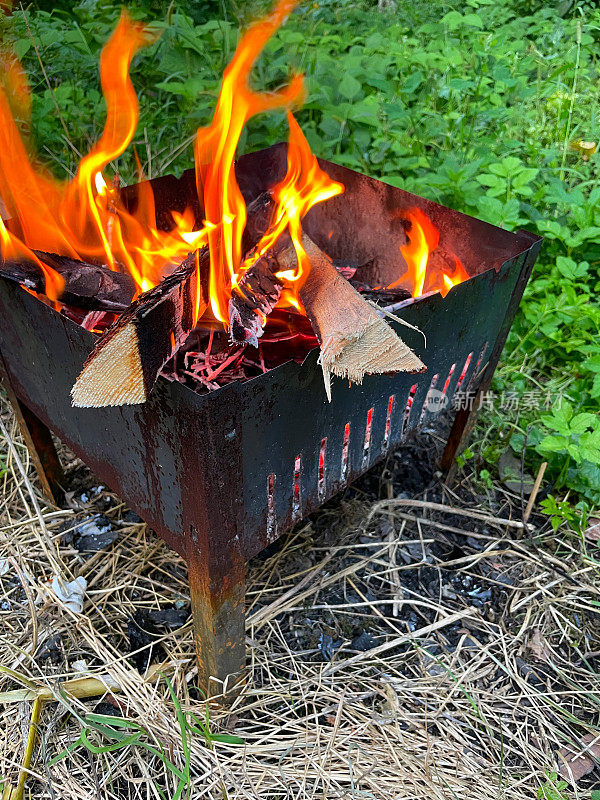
(219, 623)
(459, 433)
(39, 443)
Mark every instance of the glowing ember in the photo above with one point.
(85, 217)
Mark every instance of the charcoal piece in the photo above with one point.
(171, 617)
(131, 518)
(51, 650)
(328, 646)
(411, 553)
(480, 595)
(144, 627)
(381, 297)
(107, 709)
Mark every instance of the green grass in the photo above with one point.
(474, 106)
(101, 733)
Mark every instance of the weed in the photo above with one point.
(553, 788)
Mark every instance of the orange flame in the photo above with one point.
(12, 248)
(423, 239)
(86, 218)
(448, 281)
(215, 149)
(304, 185)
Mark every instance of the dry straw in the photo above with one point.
(465, 702)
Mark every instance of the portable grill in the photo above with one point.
(221, 475)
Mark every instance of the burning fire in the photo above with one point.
(423, 239)
(448, 281)
(85, 217)
(304, 185)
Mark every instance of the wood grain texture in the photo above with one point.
(87, 286)
(124, 365)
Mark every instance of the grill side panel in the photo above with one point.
(286, 413)
(175, 459)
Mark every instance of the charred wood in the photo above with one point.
(87, 286)
(126, 361)
(354, 339)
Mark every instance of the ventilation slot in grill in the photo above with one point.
(271, 516)
(367, 442)
(429, 398)
(408, 408)
(321, 481)
(345, 451)
(475, 374)
(449, 378)
(465, 369)
(388, 421)
(296, 502)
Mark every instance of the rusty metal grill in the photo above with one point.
(221, 475)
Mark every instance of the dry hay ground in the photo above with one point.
(397, 651)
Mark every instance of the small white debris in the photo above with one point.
(4, 566)
(71, 593)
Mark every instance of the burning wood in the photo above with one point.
(86, 286)
(125, 363)
(355, 341)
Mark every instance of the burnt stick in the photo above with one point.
(126, 361)
(256, 296)
(258, 291)
(90, 287)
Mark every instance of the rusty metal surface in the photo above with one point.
(215, 475)
(464, 324)
(156, 456)
(39, 442)
(464, 420)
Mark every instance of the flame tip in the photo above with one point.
(87, 218)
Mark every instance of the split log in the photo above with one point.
(124, 365)
(256, 296)
(259, 290)
(354, 339)
(90, 287)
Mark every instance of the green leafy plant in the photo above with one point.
(561, 511)
(553, 788)
(463, 457)
(575, 436)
